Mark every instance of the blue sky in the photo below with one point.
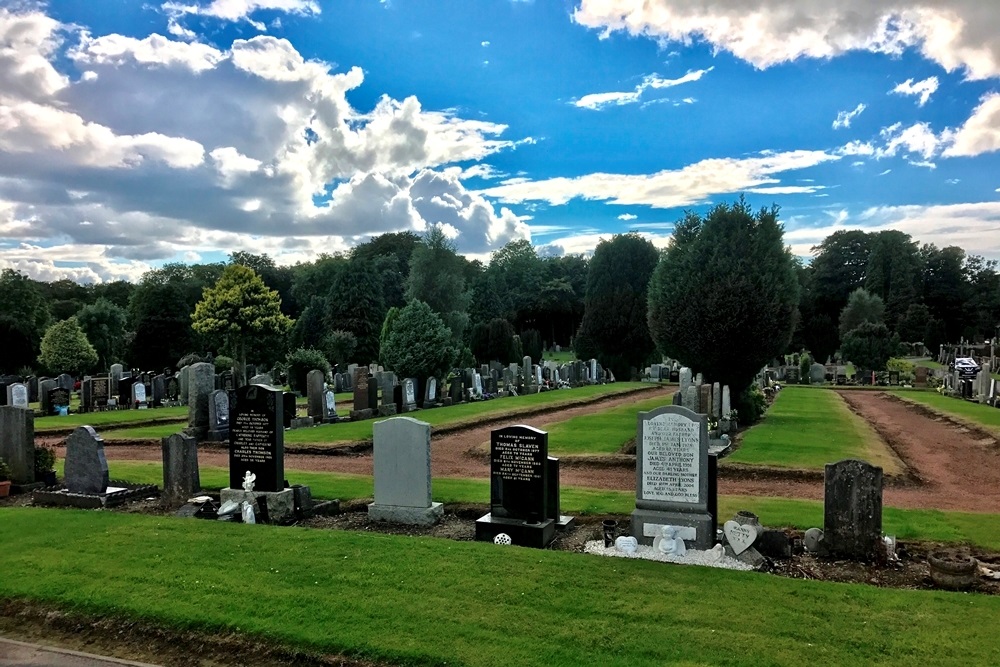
(133, 134)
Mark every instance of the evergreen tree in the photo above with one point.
(65, 349)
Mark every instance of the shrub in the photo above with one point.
(339, 346)
(419, 344)
(223, 364)
(4, 471)
(45, 461)
(531, 343)
(805, 365)
(300, 362)
(751, 405)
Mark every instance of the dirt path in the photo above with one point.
(449, 452)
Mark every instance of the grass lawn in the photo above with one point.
(808, 429)
(601, 432)
(981, 415)
(450, 416)
(561, 357)
(98, 419)
(927, 363)
(928, 525)
(425, 601)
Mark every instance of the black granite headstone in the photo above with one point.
(361, 401)
(289, 408)
(256, 437)
(58, 397)
(852, 515)
(372, 393)
(518, 473)
(173, 390)
(100, 391)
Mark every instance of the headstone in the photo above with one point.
(316, 392)
(65, 381)
(920, 376)
(183, 376)
(290, 412)
(257, 437)
(690, 399)
(181, 479)
(705, 398)
(685, 379)
(17, 396)
(672, 478)
(726, 404)
(520, 495)
(58, 398)
(17, 442)
(402, 467)
(262, 379)
(430, 393)
(173, 390)
(409, 394)
(526, 369)
(45, 387)
(159, 392)
(201, 383)
(455, 390)
(218, 415)
(852, 514)
(86, 469)
(139, 395)
(115, 373)
(477, 385)
(361, 389)
(329, 406)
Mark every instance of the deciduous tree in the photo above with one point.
(65, 349)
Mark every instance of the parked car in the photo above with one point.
(967, 368)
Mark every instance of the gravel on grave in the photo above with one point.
(692, 557)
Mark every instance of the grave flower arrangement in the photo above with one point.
(4, 479)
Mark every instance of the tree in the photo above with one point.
(419, 344)
(299, 362)
(723, 297)
(160, 318)
(354, 304)
(339, 346)
(839, 265)
(65, 349)
(615, 330)
(310, 329)
(913, 325)
(238, 310)
(893, 272)
(104, 325)
(861, 307)
(869, 346)
(437, 277)
(945, 288)
(24, 315)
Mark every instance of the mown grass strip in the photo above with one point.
(913, 524)
(808, 429)
(424, 601)
(450, 416)
(979, 415)
(110, 417)
(603, 432)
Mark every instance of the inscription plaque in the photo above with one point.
(671, 470)
(257, 437)
(518, 460)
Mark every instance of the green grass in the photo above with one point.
(982, 415)
(808, 429)
(110, 417)
(425, 601)
(912, 524)
(927, 363)
(457, 414)
(561, 357)
(601, 432)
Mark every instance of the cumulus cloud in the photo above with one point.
(670, 188)
(596, 101)
(234, 10)
(980, 133)
(166, 148)
(844, 118)
(956, 34)
(921, 89)
(627, 216)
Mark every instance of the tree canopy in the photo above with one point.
(862, 306)
(418, 343)
(65, 349)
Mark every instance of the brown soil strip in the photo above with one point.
(984, 432)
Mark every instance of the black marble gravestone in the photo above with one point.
(58, 397)
(289, 408)
(257, 437)
(524, 494)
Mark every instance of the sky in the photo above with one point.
(133, 134)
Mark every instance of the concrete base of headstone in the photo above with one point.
(358, 415)
(447, 402)
(523, 534)
(118, 493)
(280, 504)
(302, 422)
(648, 524)
(429, 405)
(222, 435)
(565, 522)
(386, 410)
(414, 516)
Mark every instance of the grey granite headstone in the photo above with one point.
(181, 479)
(329, 406)
(262, 378)
(716, 400)
(726, 404)
(402, 469)
(852, 514)
(201, 383)
(690, 399)
(315, 391)
(17, 395)
(685, 379)
(705, 398)
(817, 373)
(17, 442)
(218, 415)
(409, 394)
(672, 476)
(430, 392)
(526, 374)
(65, 381)
(183, 379)
(86, 468)
(44, 387)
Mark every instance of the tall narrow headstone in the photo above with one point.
(526, 374)
(685, 378)
(182, 381)
(690, 399)
(218, 416)
(672, 478)
(257, 437)
(409, 394)
(705, 398)
(181, 478)
(315, 391)
(726, 404)
(17, 442)
(86, 468)
(201, 383)
(361, 389)
(716, 400)
(852, 514)
(402, 468)
(45, 388)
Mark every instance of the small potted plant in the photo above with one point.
(4, 479)
(45, 464)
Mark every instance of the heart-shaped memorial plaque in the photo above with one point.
(740, 537)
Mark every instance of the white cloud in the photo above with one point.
(238, 10)
(980, 133)
(484, 43)
(152, 50)
(586, 243)
(597, 101)
(27, 42)
(956, 34)
(922, 89)
(692, 184)
(627, 216)
(916, 139)
(844, 118)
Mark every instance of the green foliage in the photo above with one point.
(419, 344)
(869, 346)
(751, 404)
(239, 310)
(309, 329)
(45, 461)
(4, 471)
(355, 304)
(223, 363)
(104, 324)
(615, 329)
(339, 346)
(390, 317)
(531, 343)
(160, 316)
(913, 325)
(805, 364)
(24, 315)
(893, 272)
(722, 300)
(862, 306)
(437, 278)
(300, 362)
(498, 343)
(65, 349)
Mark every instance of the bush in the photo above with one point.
(419, 344)
(4, 471)
(869, 346)
(339, 346)
(299, 363)
(531, 343)
(751, 405)
(223, 364)
(805, 365)
(45, 461)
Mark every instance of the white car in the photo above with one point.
(966, 367)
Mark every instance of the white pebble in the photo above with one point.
(693, 557)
